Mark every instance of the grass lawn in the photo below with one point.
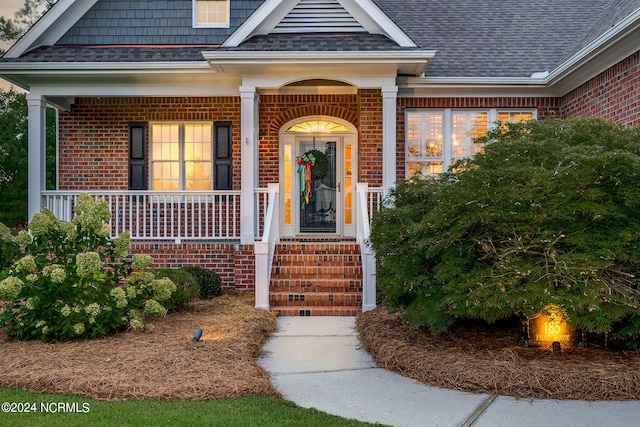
(245, 411)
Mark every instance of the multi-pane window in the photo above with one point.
(437, 138)
(467, 126)
(181, 156)
(424, 143)
(211, 13)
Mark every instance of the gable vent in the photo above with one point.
(318, 16)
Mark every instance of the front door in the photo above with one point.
(317, 183)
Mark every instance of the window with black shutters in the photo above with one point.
(182, 156)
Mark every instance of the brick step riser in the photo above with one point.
(341, 286)
(284, 270)
(317, 311)
(302, 250)
(294, 259)
(324, 304)
(312, 299)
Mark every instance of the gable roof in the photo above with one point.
(474, 40)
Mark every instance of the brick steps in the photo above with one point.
(316, 279)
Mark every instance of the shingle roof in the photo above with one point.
(319, 42)
(473, 38)
(612, 15)
(112, 54)
(497, 38)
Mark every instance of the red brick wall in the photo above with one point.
(93, 136)
(233, 262)
(546, 107)
(613, 94)
(277, 110)
(370, 149)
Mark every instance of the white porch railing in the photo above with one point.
(159, 215)
(265, 248)
(368, 201)
(261, 204)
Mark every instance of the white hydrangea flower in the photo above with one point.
(10, 288)
(87, 264)
(153, 308)
(142, 261)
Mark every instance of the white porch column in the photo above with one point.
(36, 152)
(389, 97)
(248, 152)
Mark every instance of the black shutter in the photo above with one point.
(222, 166)
(137, 156)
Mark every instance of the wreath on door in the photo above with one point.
(312, 165)
(321, 167)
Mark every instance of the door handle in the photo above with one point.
(338, 186)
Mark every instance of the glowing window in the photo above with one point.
(432, 143)
(211, 13)
(181, 156)
(318, 126)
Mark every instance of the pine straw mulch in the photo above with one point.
(161, 362)
(478, 360)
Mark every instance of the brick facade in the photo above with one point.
(233, 262)
(93, 141)
(93, 136)
(613, 94)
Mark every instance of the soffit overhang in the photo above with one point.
(326, 63)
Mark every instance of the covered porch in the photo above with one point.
(258, 105)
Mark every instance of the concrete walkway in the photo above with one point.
(317, 362)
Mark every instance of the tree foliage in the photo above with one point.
(24, 18)
(548, 214)
(13, 156)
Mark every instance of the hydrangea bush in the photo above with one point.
(71, 280)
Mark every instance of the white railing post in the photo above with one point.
(265, 248)
(367, 253)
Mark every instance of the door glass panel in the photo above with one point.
(316, 170)
(348, 184)
(287, 196)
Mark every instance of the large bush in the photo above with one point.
(548, 214)
(71, 280)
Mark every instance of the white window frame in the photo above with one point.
(197, 24)
(181, 159)
(447, 133)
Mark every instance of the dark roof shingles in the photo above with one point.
(68, 54)
(495, 38)
(489, 38)
(320, 42)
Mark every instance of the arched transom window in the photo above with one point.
(318, 126)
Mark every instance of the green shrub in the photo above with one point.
(187, 287)
(548, 214)
(71, 280)
(209, 281)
